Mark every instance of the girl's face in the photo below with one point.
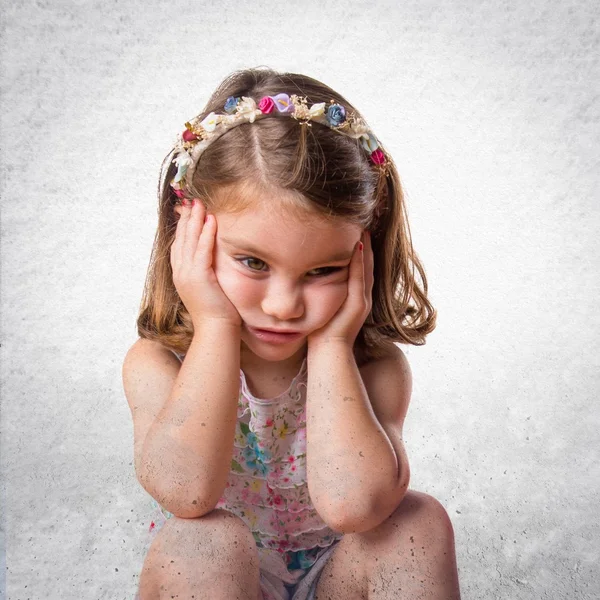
(282, 273)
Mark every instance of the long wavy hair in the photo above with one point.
(327, 172)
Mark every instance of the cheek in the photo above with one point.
(236, 287)
(326, 301)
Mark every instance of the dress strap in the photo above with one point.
(178, 355)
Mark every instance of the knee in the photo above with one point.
(418, 518)
(218, 533)
(423, 505)
(426, 518)
(215, 553)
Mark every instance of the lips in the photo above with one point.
(284, 331)
(275, 336)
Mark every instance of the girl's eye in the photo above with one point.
(327, 271)
(254, 260)
(324, 271)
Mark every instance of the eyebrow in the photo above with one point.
(248, 247)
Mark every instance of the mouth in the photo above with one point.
(275, 336)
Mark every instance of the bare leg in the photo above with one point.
(410, 555)
(213, 557)
(414, 552)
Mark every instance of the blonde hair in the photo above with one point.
(326, 172)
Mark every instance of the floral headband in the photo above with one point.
(198, 135)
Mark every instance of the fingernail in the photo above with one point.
(360, 246)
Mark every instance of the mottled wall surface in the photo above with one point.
(491, 112)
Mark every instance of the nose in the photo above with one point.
(283, 301)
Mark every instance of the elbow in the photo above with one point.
(193, 509)
(186, 507)
(348, 518)
(349, 521)
(403, 480)
(182, 513)
(180, 501)
(365, 516)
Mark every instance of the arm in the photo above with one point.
(358, 470)
(184, 423)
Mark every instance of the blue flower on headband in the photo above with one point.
(336, 115)
(231, 104)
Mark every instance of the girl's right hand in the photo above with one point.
(193, 274)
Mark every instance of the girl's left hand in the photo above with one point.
(347, 322)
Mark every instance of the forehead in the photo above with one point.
(288, 231)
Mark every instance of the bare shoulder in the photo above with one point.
(393, 361)
(149, 373)
(147, 359)
(148, 348)
(388, 381)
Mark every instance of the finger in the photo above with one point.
(193, 229)
(356, 284)
(369, 261)
(177, 246)
(206, 245)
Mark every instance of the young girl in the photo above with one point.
(267, 394)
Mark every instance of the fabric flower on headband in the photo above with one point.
(231, 105)
(200, 133)
(336, 115)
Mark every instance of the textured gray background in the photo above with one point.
(491, 111)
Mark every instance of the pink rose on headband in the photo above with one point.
(378, 157)
(283, 103)
(188, 136)
(266, 105)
